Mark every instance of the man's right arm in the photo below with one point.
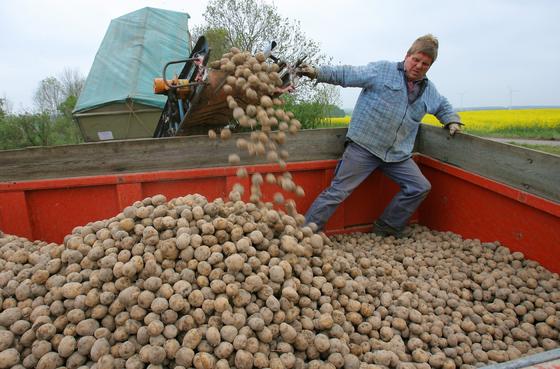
(347, 76)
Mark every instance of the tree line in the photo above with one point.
(49, 121)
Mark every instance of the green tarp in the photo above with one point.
(133, 52)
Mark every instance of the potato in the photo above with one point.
(384, 357)
(50, 360)
(243, 359)
(10, 316)
(184, 357)
(192, 339)
(203, 360)
(213, 336)
(9, 358)
(67, 346)
(234, 262)
(100, 347)
(87, 327)
(224, 350)
(152, 354)
(6, 340)
(234, 159)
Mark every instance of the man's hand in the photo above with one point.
(453, 128)
(307, 71)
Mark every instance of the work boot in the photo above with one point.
(382, 229)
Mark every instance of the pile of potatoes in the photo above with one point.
(229, 284)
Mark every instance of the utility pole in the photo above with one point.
(461, 96)
(511, 92)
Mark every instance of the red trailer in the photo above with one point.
(480, 188)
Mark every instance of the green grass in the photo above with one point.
(545, 148)
(526, 133)
(535, 133)
(332, 125)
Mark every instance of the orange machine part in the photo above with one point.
(460, 201)
(161, 88)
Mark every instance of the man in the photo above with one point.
(394, 99)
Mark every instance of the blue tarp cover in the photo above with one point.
(133, 52)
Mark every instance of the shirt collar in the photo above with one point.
(400, 66)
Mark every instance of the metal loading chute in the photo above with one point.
(196, 100)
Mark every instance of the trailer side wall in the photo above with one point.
(461, 201)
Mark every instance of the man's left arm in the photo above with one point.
(445, 113)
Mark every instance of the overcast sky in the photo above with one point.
(492, 52)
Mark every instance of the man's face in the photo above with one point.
(416, 66)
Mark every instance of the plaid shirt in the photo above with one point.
(384, 121)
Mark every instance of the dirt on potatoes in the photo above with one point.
(224, 284)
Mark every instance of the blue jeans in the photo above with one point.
(356, 165)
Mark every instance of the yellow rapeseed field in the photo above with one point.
(489, 121)
(505, 120)
(337, 120)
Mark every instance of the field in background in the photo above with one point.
(521, 123)
(336, 122)
(546, 148)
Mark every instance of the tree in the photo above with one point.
(312, 111)
(51, 123)
(2, 108)
(27, 129)
(66, 129)
(66, 107)
(52, 91)
(56, 98)
(10, 137)
(49, 95)
(72, 83)
(216, 38)
(335, 111)
(251, 25)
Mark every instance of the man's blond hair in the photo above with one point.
(427, 44)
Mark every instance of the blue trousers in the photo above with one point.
(356, 165)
